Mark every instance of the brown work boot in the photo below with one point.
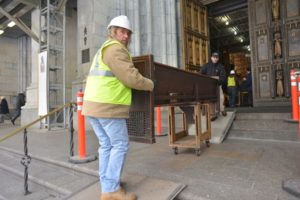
(121, 194)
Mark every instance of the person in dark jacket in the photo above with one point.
(4, 111)
(246, 87)
(215, 69)
(19, 103)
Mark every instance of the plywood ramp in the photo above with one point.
(146, 188)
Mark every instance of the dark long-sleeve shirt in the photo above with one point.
(4, 107)
(217, 69)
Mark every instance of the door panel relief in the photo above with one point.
(195, 35)
(294, 41)
(292, 8)
(275, 45)
(262, 45)
(260, 14)
(279, 80)
(264, 82)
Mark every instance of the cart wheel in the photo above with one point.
(175, 150)
(197, 151)
(207, 142)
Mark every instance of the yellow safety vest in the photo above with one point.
(231, 81)
(102, 86)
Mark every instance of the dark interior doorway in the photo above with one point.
(229, 34)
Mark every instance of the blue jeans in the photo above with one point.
(112, 135)
(17, 114)
(232, 95)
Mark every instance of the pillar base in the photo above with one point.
(292, 186)
(78, 160)
(161, 134)
(291, 121)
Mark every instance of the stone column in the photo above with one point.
(136, 36)
(30, 110)
(164, 58)
(24, 64)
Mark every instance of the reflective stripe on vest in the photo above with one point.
(102, 86)
(97, 72)
(230, 81)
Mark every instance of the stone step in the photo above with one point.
(288, 136)
(245, 116)
(56, 181)
(50, 180)
(12, 188)
(263, 124)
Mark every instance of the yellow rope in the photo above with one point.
(35, 121)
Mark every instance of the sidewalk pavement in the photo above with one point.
(232, 170)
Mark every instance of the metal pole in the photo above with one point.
(71, 131)
(25, 161)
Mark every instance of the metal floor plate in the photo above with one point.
(146, 188)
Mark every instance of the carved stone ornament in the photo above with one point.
(279, 83)
(277, 45)
(275, 9)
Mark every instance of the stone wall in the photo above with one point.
(9, 69)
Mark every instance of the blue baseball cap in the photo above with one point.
(215, 54)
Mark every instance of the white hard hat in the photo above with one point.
(232, 72)
(120, 21)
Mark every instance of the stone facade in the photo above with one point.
(30, 110)
(274, 35)
(15, 70)
(155, 25)
(157, 31)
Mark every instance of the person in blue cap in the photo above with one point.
(21, 100)
(215, 69)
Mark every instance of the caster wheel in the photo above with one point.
(197, 151)
(175, 150)
(207, 142)
(224, 113)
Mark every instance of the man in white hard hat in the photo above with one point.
(107, 100)
(232, 84)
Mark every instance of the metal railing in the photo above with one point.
(26, 159)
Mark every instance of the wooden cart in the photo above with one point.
(201, 116)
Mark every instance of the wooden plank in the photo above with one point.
(186, 90)
(182, 139)
(171, 125)
(169, 92)
(179, 135)
(204, 52)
